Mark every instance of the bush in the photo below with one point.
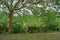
(17, 29)
(3, 29)
(53, 27)
(58, 23)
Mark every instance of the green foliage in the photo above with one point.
(51, 17)
(58, 23)
(3, 23)
(33, 21)
(45, 23)
(17, 28)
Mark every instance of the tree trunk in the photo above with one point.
(10, 22)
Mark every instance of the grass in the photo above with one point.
(31, 36)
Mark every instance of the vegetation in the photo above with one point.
(46, 23)
(32, 16)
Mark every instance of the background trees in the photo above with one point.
(43, 9)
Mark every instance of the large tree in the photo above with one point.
(13, 6)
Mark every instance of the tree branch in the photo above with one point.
(17, 3)
(37, 2)
(20, 8)
(11, 2)
(5, 2)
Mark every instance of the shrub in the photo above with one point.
(3, 29)
(58, 23)
(17, 28)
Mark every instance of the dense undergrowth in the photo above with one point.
(45, 23)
